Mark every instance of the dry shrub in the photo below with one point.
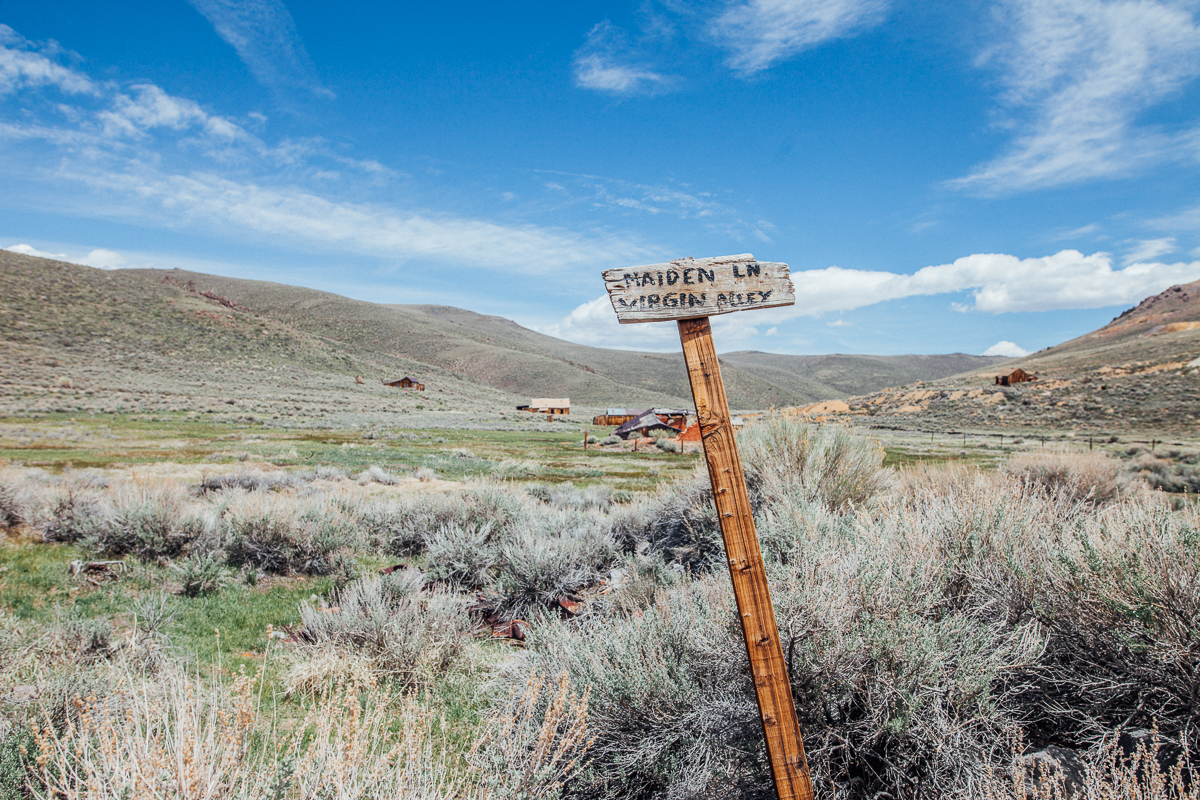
(68, 514)
(12, 509)
(551, 556)
(379, 628)
(536, 741)
(671, 706)
(783, 456)
(375, 474)
(283, 534)
(1085, 476)
(402, 527)
(179, 738)
(147, 519)
(463, 556)
(1112, 772)
(1176, 471)
(924, 631)
(678, 521)
(257, 481)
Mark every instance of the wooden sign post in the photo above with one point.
(690, 291)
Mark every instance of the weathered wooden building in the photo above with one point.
(548, 405)
(406, 383)
(1018, 375)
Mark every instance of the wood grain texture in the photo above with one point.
(776, 708)
(691, 288)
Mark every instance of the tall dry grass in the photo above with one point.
(182, 738)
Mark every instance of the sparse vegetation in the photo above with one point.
(943, 624)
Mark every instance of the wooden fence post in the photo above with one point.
(763, 647)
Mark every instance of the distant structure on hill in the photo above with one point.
(1018, 375)
(406, 383)
(548, 405)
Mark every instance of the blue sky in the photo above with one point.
(940, 177)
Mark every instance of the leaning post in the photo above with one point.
(689, 291)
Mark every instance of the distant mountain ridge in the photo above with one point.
(261, 334)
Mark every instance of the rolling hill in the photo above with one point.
(158, 339)
(1139, 372)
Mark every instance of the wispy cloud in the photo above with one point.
(676, 200)
(607, 63)
(140, 154)
(25, 64)
(292, 216)
(760, 33)
(1146, 249)
(1076, 75)
(263, 34)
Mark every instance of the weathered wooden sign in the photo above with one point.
(722, 285)
(697, 287)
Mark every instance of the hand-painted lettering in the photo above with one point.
(652, 300)
(687, 279)
(765, 295)
(647, 279)
(737, 274)
(660, 279)
(672, 277)
(671, 300)
(629, 279)
(693, 302)
(709, 274)
(753, 270)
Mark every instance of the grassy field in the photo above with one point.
(57, 441)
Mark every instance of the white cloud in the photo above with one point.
(264, 35)
(1006, 348)
(604, 63)
(1077, 73)
(103, 259)
(30, 250)
(763, 32)
(998, 283)
(99, 258)
(22, 68)
(1146, 249)
(839, 323)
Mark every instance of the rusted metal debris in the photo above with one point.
(96, 572)
(570, 605)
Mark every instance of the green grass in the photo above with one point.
(105, 441)
(36, 585)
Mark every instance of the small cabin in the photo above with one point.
(1018, 375)
(548, 405)
(406, 383)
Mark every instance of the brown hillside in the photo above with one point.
(156, 339)
(1141, 372)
